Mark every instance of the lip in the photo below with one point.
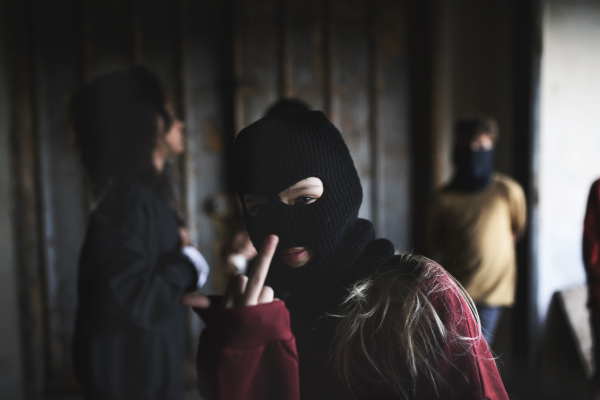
(294, 254)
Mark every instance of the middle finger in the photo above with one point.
(257, 276)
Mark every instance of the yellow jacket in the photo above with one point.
(474, 236)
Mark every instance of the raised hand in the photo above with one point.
(184, 234)
(249, 291)
(244, 291)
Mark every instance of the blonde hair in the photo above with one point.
(389, 333)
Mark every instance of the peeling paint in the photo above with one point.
(212, 136)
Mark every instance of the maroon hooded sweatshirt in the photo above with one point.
(591, 247)
(264, 352)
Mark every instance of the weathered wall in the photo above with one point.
(11, 378)
(222, 64)
(475, 74)
(349, 59)
(569, 132)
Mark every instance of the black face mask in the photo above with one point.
(473, 168)
(275, 153)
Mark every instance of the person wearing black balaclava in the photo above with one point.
(360, 321)
(474, 162)
(240, 252)
(474, 222)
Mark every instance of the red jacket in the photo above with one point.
(591, 247)
(248, 353)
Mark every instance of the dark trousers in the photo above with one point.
(489, 317)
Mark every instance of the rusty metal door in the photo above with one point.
(222, 64)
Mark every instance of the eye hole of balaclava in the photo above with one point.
(302, 193)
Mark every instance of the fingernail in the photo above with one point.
(273, 239)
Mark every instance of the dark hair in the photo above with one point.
(286, 105)
(471, 125)
(115, 119)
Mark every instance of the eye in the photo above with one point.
(304, 200)
(255, 204)
(255, 209)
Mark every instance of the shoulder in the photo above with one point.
(505, 181)
(448, 196)
(444, 190)
(137, 192)
(509, 188)
(127, 203)
(440, 196)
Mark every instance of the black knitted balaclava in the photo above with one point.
(474, 168)
(280, 150)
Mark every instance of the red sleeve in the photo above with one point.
(248, 353)
(591, 246)
(471, 369)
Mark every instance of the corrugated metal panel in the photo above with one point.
(62, 183)
(392, 160)
(222, 64)
(256, 58)
(304, 63)
(108, 33)
(157, 45)
(26, 215)
(11, 357)
(207, 102)
(350, 77)
(207, 91)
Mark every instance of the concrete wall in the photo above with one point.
(10, 349)
(569, 139)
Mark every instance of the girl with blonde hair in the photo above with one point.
(360, 322)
